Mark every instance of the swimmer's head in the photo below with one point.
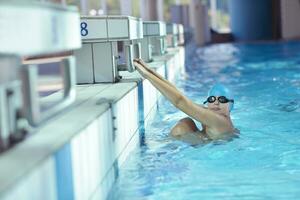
(220, 99)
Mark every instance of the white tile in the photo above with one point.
(39, 184)
(92, 156)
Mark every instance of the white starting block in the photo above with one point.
(172, 35)
(32, 29)
(153, 42)
(110, 43)
(180, 34)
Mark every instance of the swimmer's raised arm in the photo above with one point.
(199, 113)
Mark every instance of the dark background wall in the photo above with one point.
(251, 19)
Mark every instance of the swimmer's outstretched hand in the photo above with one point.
(148, 73)
(140, 67)
(140, 61)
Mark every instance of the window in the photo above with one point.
(219, 15)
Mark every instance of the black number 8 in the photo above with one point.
(84, 31)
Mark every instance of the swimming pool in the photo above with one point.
(263, 163)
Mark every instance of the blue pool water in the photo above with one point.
(263, 163)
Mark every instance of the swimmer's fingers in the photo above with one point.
(143, 65)
(141, 62)
(146, 67)
(146, 71)
(137, 64)
(140, 68)
(137, 59)
(140, 65)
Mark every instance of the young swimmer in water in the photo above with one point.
(215, 118)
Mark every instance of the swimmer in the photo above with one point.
(215, 118)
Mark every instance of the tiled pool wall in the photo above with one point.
(77, 155)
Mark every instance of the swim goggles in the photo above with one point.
(221, 99)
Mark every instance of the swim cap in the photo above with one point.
(220, 90)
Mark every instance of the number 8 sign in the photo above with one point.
(84, 30)
(93, 28)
